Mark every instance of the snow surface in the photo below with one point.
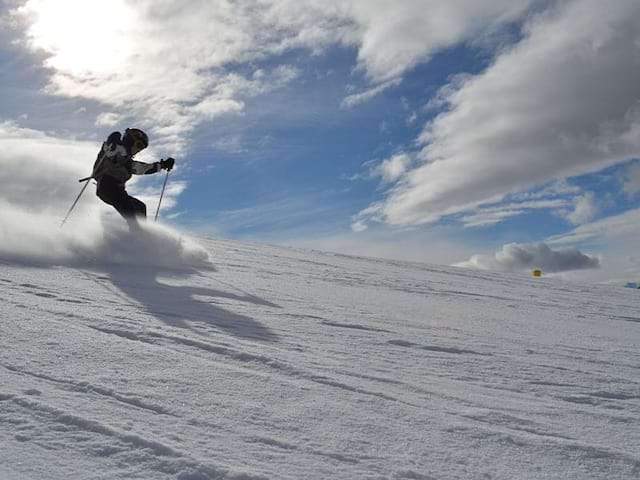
(158, 358)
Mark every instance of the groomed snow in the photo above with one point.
(158, 358)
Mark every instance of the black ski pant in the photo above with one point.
(111, 191)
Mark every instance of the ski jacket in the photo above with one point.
(115, 161)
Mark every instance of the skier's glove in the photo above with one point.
(167, 164)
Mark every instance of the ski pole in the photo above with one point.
(96, 168)
(76, 201)
(161, 195)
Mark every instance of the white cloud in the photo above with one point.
(554, 189)
(160, 62)
(167, 63)
(521, 257)
(363, 218)
(585, 209)
(623, 226)
(359, 227)
(561, 102)
(616, 236)
(388, 170)
(486, 218)
(150, 195)
(491, 215)
(108, 119)
(395, 36)
(391, 37)
(631, 182)
(393, 168)
(363, 97)
(39, 171)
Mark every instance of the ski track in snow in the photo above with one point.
(282, 363)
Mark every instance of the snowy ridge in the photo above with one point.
(161, 357)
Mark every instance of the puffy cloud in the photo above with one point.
(107, 119)
(395, 36)
(391, 37)
(168, 63)
(520, 257)
(562, 101)
(160, 62)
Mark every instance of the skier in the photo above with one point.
(115, 166)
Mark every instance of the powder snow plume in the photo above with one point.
(37, 238)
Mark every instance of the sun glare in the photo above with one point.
(82, 36)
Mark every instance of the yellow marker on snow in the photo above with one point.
(537, 273)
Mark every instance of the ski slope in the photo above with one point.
(159, 359)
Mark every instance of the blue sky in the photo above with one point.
(418, 130)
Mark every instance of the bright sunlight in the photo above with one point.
(84, 37)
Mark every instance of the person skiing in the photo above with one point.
(115, 166)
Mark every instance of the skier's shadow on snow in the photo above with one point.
(185, 306)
